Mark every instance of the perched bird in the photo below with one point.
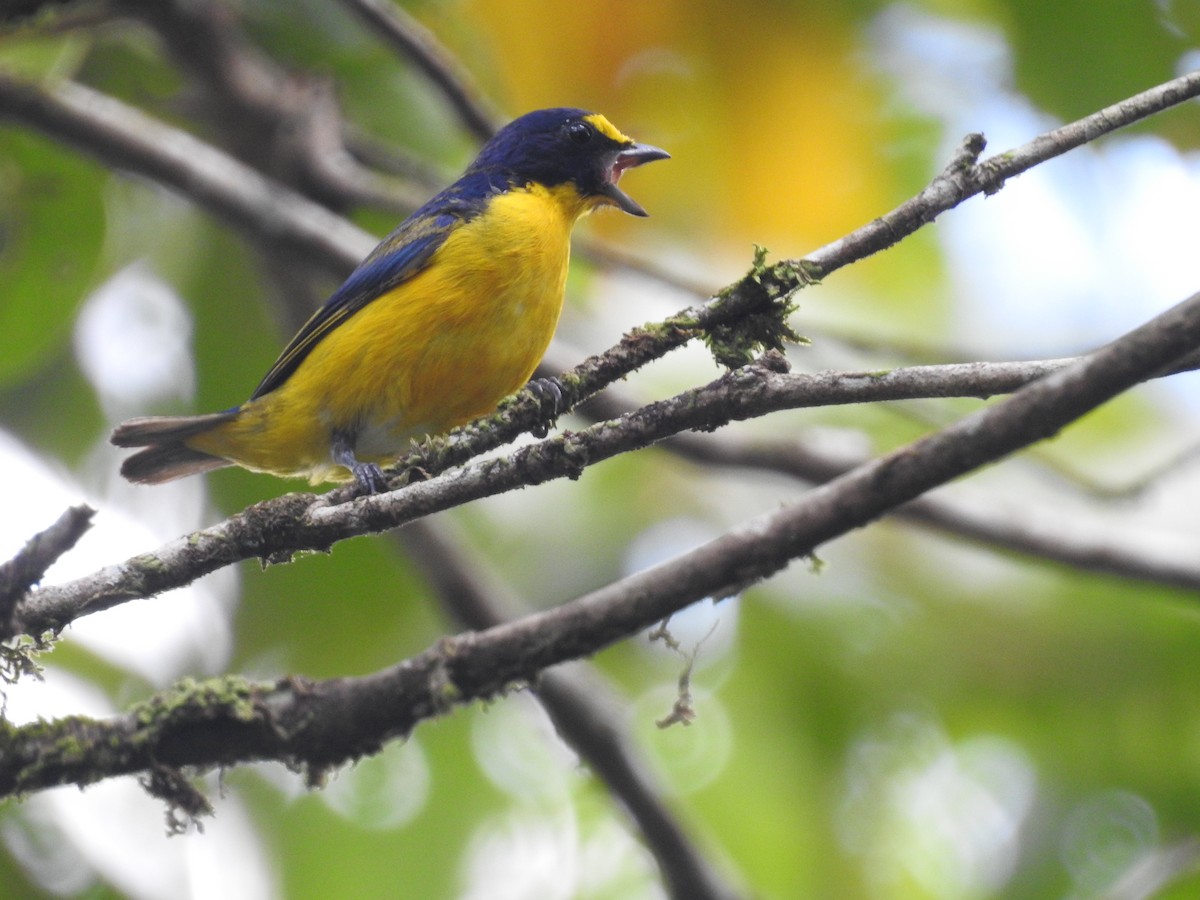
(447, 316)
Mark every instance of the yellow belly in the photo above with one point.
(442, 348)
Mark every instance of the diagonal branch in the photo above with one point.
(1043, 532)
(40, 552)
(127, 139)
(282, 122)
(581, 705)
(964, 178)
(416, 43)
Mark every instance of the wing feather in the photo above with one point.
(377, 275)
(400, 256)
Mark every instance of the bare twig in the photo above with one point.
(125, 138)
(415, 42)
(29, 566)
(1042, 531)
(283, 123)
(962, 178)
(1045, 530)
(580, 704)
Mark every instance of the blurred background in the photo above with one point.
(918, 715)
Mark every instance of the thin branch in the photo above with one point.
(279, 121)
(40, 552)
(1042, 531)
(128, 139)
(963, 178)
(242, 85)
(416, 43)
(578, 701)
(323, 724)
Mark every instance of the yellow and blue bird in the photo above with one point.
(447, 316)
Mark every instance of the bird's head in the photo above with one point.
(566, 146)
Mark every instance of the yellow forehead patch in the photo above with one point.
(607, 128)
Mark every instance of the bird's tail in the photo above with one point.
(166, 455)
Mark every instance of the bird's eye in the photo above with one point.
(579, 132)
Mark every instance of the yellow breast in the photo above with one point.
(442, 348)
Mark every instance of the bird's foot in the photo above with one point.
(369, 479)
(549, 394)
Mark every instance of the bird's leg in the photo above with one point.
(549, 394)
(368, 476)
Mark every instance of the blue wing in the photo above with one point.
(400, 256)
(378, 274)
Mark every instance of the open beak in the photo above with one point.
(630, 158)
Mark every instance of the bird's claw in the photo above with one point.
(549, 394)
(369, 478)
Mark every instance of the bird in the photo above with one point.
(448, 315)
